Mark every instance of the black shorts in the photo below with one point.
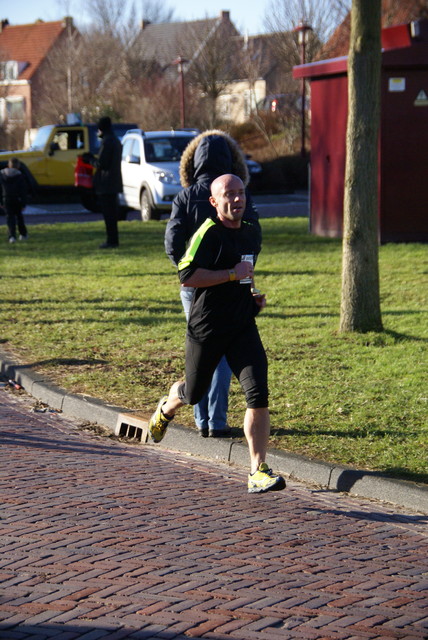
(246, 357)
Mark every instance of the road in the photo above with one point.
(103, 539)
(268, 206)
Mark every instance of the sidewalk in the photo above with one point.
(326, 475)
(268, 206)
(102, 539)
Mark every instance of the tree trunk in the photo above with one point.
(360, 303)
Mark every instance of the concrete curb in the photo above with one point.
(356, 482)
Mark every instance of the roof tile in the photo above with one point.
(29, 43)
(393, 14)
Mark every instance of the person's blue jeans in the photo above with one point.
(211, 411)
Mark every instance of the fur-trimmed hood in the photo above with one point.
(211, 154)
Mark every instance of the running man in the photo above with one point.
(219, 263)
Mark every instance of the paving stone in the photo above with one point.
(105, 539)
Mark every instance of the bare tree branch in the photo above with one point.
(323, 15)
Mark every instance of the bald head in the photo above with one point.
(225, 181)
(228, 198)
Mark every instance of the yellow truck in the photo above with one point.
(52, 156)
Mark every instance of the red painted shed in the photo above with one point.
(403, 142)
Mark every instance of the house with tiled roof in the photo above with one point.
(250, 73)
(24, 50)
(256, 72)
(394, 12)
(166, 41)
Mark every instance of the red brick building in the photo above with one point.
(403, 137)
(24, 50)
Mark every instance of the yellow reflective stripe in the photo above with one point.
(195, 241)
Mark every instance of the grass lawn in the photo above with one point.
(110, 324)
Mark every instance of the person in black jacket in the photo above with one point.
(209, 155)
(108, 179)
(14, 196)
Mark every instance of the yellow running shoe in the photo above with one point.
(263, 480)
(158, 422)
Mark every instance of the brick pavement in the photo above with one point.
(101, 539)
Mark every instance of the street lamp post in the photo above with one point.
(302, 31)
(180, 62)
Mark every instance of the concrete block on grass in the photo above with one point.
(369, 484)
(184, 439)
(92, 410)
(132, 426)
(49, 394)
(313, 471)
(21, 374)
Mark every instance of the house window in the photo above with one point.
(12, 109)
(248, 103)
(9, 70)
(224, 106)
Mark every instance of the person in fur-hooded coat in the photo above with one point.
(209, 155)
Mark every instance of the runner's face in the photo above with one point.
(230, 201)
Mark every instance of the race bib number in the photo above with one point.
(247, 258)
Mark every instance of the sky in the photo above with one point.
(246, 18)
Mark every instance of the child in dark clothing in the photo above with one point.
(14, 196)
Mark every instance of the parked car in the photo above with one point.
(255, 170)
(51, 158)
(280, 103)
(150, 169)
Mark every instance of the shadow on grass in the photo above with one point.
(318, 314)
(402, 337)
(352, 434)
(61, 361)
(149, 320)
(348, 478)
(137, 274)
(304, 272)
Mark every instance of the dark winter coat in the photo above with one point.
(108, 175)
(13, 186)
(209, 155)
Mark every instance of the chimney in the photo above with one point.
(225, 16)
(3, 24)
(67, 22)
(144, 24)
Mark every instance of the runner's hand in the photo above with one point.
(244, 270)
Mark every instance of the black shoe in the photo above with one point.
(203, 433)
(108, 245)
(220, 433)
